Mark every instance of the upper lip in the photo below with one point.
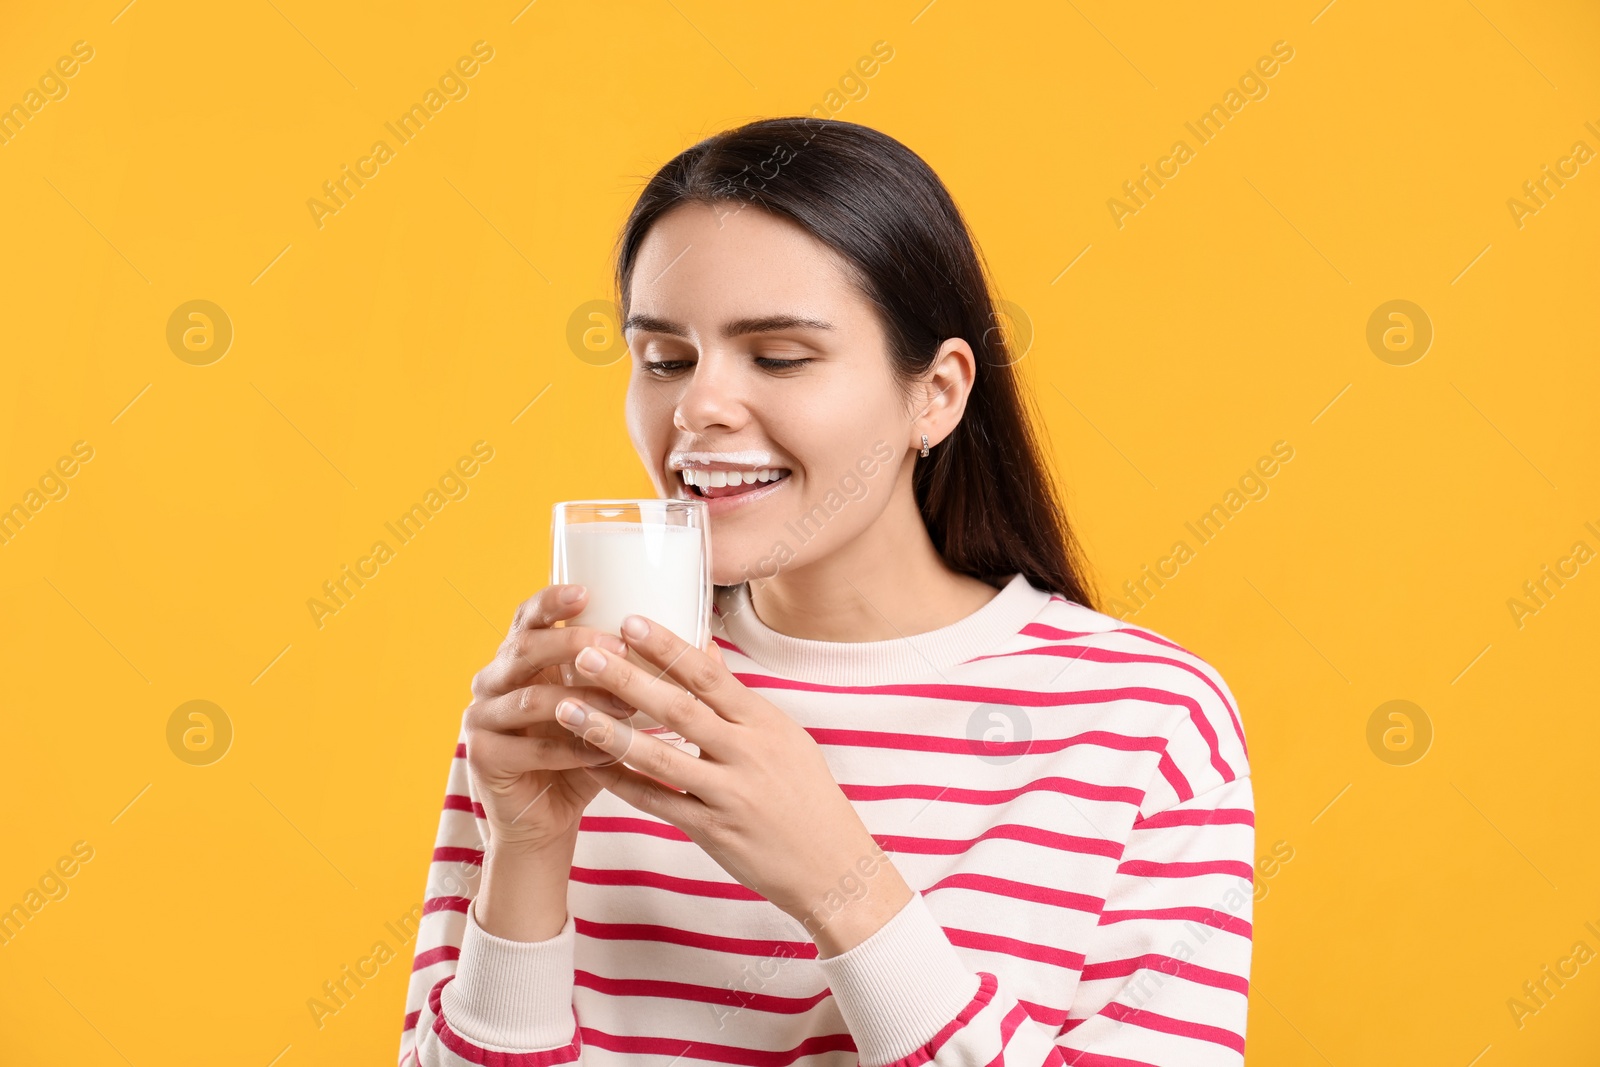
(709, 461)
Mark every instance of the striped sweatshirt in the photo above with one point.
(1067, 796)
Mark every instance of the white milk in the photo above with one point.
(632, 568)
(649, 569)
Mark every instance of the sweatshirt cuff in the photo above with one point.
(516, 995)
(901, 987)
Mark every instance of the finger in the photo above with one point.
(680, 809)
(548, 606)
(649, 690)
(507, 754)
(510, 712)
(523, 657)
(708, 679)
(664, 762)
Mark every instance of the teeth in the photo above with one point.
(717, 479)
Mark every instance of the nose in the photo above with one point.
(711, 401)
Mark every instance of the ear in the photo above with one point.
(947, 385)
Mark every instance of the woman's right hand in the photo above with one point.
(525, 765)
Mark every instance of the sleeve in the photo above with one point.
(475, 998)
(1167, 978)
(1164, 985)
(1165, 981)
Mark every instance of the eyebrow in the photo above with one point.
(735, 328)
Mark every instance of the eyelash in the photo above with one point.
(768, 362)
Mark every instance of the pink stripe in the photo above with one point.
(677, 1047)
(987, 986)
(1206, 817)
(729, 645)
(1044, 1013)
(431, 956)
(1089, 846)
(434, 904)
(1040, 629)
(1106, 655)
(963, 746)
(461, 802)
(411, 1021)
(1169, 771)
(1219, 920)
(701, 994)
(621, 824)
(1152, 869)
(1115, 794)
(694, 887)
(1072, 1057)
(1166, 1024)
(981, 694)
(461, 750)
(489, 1057)
(453, 854)
(1010, 946)
(1154, 962)
(1005, 887)
(1008, 1027)
(672, 935)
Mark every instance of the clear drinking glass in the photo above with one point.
(649, 557)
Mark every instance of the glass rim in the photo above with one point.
(631, 500)
(645, 505)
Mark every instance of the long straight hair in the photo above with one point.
(986, 493)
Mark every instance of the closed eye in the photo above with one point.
(666, 368)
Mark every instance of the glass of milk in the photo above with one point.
(649, 557)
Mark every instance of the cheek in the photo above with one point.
(649, 420)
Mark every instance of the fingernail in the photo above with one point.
(569, 713)
(635, 627)
(591, 661)
(571, 593)
(612, 643)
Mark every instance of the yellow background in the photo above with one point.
(1227, 314)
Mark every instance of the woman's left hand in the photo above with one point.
(760, 798)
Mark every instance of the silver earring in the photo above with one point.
(924, 451)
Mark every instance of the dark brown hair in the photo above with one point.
(985, 492)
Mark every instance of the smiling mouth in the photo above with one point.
(716, 484)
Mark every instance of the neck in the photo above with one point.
(888, 582)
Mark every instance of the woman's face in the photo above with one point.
(752, 353)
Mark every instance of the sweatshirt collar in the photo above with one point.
(926, 655)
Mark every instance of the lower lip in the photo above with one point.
(721, 505)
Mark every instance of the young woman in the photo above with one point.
(943, 810)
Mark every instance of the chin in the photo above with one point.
(751, 557)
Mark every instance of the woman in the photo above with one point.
(943, 810)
